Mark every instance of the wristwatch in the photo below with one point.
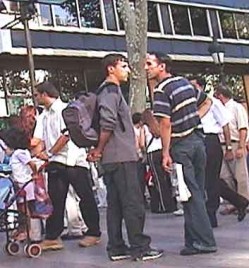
(229, 147)
(49, 154)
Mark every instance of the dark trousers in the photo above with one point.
(213, 167)
(215, 186)
(161, 196)
(125, 201)
(59, 178)
(190, 152)
(239, 201)
(141, 169)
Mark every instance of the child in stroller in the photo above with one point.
(24, 171)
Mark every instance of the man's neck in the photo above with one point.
(49, 103)
(112, 79)
(163, 76)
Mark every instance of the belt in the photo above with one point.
(232, 141)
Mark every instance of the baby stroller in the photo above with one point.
(11, 218)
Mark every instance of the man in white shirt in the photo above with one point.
(67, 165)
(235, 172)
(215, 122)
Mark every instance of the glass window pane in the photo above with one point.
(199, 21)
(46, 15)
(153, 24)
(180, 19)
(242, 21)
(90, 14)
(66, 15)
(166, 19)
(214, 23)
(110, 15)
(227, 24)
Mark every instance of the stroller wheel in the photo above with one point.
(32, 250)
(12, 248)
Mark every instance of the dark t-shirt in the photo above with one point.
(176, 98)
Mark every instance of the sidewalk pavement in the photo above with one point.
(167, 233)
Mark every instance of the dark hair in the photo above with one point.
(163, 58)
(220, 89)
(16, 138)
(111, 60)
(200, 80)
(48, 88)
(136, 118)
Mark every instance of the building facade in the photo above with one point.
(68, 42)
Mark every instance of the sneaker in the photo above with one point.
(151, 254)
(193, 251)
(89, 241)
(51, 244)
(119, 257)
(179, 212)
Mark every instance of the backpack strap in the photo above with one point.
(100, 89)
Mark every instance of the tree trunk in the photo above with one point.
(134, 17)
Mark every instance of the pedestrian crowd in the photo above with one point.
(130, 168)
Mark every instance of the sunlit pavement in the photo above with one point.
(166, 232)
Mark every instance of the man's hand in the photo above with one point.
(43, 156)
(94, 155)
(228, 155)
(167, 162)
(239, 152)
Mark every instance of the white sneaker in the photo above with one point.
(179, 212)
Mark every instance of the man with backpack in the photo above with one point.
(117, 150)
(67, 165)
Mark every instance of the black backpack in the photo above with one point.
(82, 119)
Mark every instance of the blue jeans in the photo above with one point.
(190, 152)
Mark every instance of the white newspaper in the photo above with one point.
(180, 189)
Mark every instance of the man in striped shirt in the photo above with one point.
(179, 108)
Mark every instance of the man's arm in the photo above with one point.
(229, 152)
(96, 153)
(242, 143)
(165, 133)
(204, 107)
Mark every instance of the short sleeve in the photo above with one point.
(162, 104)
(38, 132)
(23, 156)
(200, 96)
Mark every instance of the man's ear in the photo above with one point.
(110, 69)
(162, 66)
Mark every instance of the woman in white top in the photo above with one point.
(161, 194)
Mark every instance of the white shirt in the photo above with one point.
(48, 128)
(156, 143)
(21, 171)
(238, 119)
(215, 118)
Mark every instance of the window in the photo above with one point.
(90, 14)
(180, 20)
(227, 24)
(166, 19)
(153, 24)
(110, 15)
(242, 21)
(199, 21)
(46, 15)
(214, 22)
(66, 15)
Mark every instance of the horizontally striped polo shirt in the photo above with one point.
(176, 98)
